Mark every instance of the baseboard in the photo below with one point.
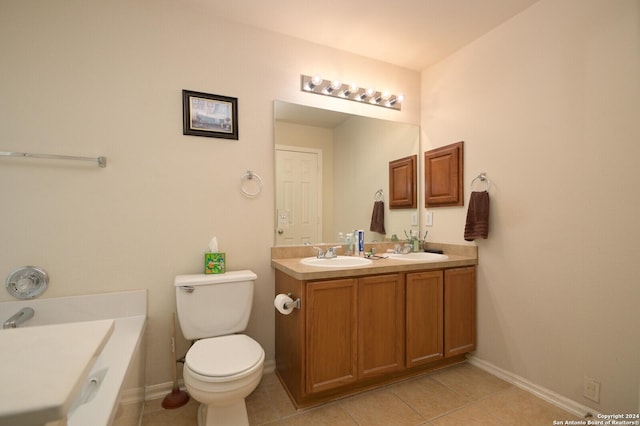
(162, 389)
(132, 396)
(269, 366)
(545, 394)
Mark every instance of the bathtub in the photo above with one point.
(113, 392)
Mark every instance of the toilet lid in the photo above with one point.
(224, 356)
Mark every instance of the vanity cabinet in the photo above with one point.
(460, 311)
(347, 317)
(425, 316)
(361, 332)
(331, 334)
(380, 325)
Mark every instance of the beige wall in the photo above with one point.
(547, 105)
(105, 78)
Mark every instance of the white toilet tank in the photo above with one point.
(214, 305)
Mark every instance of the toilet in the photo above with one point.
(221, 368)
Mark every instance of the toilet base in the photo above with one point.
(223, 415)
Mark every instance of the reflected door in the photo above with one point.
(297, 197)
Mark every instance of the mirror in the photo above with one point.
(329, 166)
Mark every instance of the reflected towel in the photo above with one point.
(477, 216)
(377, 218)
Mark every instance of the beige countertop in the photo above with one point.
(287, 260)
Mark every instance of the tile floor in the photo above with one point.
(458, 395)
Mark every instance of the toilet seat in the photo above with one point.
(224, 358)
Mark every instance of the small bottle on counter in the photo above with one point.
(416, 245)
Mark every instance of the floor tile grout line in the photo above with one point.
(279, 411)
(471, 403)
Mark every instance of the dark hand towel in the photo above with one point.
(477, 216)
(377, 218)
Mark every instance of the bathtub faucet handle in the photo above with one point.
(23, 315)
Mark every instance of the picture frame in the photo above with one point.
(209, 115)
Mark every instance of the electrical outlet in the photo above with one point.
(429, 219)
(591, 389)
(414, 219)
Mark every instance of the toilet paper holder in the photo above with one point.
(296, 302)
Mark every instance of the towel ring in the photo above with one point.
(248, 184)
(481, 179)
(379, 195)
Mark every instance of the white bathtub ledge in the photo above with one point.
(117, 357)
(43, 368)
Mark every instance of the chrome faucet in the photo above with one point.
(22, 316)
(329, 254)
(398, 249)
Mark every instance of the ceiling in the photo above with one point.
(413, 34)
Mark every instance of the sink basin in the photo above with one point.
(419, 257)
(336, 262)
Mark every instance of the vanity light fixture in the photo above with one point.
(316, 84)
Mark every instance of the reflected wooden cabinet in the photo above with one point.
(443, 176)
(402, 183)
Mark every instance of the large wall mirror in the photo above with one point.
(329, 166)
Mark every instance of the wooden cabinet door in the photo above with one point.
(443, 176)
(459, 310)
(380, 325)
(424, 317)
(331, 334)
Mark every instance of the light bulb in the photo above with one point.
(351, 88)
(335, 85)
(315, 81)
(397, 99)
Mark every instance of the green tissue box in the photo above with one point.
(214, 263)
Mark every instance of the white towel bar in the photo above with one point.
(102, 161)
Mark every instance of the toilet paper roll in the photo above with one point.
(280, 301)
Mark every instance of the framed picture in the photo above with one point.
(209, 115)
